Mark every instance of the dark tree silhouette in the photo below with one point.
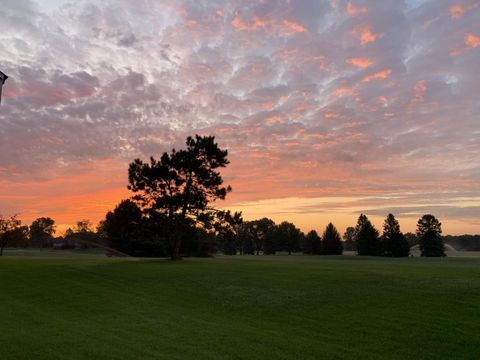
(231, 233)
(9, 227)
(349, 239)
(125, 229)
(412, 239)
(312, 243)
(367, 240)
(288, 237)
(41, 230)
(331, 241)
(429, 231)
(263, 230)
(394, 243)
(181, 184)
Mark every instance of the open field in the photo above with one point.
(70, 306)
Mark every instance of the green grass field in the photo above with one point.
(68, 306)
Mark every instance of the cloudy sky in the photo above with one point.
(328, 108)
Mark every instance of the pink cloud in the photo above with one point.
(472, 40)
(365, 34)
(353, 11)
(360, 62)
(293, 27)
(457, 11)
(378, 75)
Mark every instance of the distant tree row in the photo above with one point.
(264, 236)
(40, 234)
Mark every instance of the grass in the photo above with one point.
(72, 306)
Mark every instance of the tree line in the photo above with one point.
(172, 213)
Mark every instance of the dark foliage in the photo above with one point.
(287, 237)
(331, 241)
(181, 185)
(429, 231)
(411, 238)
(367, 240)
(11, 231)
(312, 243)
(394, 243)
(41, 230)
(349, 236)
(123, 228)
(463, 242)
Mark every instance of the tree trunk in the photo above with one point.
(177, 244)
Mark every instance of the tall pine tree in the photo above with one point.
(331, 241)
(368, 242)
(394, 243)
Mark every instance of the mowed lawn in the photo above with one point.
(297, 307)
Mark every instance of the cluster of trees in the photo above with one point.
(265, 237)
(172, 214)
(41, 234)
(463, 242)
(366, 240)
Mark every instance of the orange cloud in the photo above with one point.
(378, 75)
(331, 116)
(294, 27)
(383, 99)
(419, 90)
(365, 34)
(457, 11)
(353, 11)
(360, 62)
(342, 91)
(472, 40)
(257, 23)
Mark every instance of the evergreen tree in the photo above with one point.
(331, 241)
(394, 243)
(367, 240)
(182, 185)
(429, 231)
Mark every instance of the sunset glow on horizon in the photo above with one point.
(328, 108)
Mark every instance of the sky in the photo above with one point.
(328, 108)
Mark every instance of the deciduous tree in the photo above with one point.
(41, 230)
(312, 243)
(9, 227)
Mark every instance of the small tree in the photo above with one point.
(367, 239)
(181, 185)
(9, 227)
(331, 241)
(41, 230)
(394, 243)
(349, 239)
(263, 231)
(122, 226)
(429, 231)
(288, 237)
(312, 243)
